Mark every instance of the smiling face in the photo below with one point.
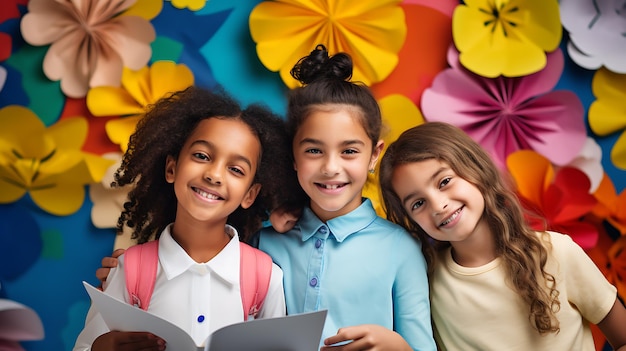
(214, 171)
(332, 156)
(444, 205)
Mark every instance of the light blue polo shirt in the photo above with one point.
(361, 267)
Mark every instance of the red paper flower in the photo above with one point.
(561, 197)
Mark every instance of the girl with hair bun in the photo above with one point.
(368, 272)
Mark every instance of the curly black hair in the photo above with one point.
(162, 132)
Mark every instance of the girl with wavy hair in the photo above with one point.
(496, 284)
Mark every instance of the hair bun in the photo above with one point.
(318, 64)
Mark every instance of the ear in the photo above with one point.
(170, 169)
(378, 149)
(251, 195)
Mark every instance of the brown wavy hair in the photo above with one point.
(162, 132)
(523, 252)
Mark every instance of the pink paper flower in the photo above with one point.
(509, 114)
(91, 40)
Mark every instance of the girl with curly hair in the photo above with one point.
(495, 283)
(203, 172)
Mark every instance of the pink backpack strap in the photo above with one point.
(254, 279)
(140, 268)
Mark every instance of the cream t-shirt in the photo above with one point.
(474, 308)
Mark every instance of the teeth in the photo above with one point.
(331, 187)
(454, 215)
(206, 195)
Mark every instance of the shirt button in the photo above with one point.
(313, 282)
(323, 230)
(318, 243)
(200, 318)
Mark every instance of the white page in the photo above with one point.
(300, 332)
(119, 315)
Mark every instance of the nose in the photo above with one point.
(439, 204)
(330, 166)
(213, 176)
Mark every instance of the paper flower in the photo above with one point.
(46, 163)
(444, 6)
(509, 114)
(9, 9)
(561, 197)
(399, 114)
(611, 206)
(371, 31)
(617, 261)
(596, 33)
(139, 90)
(18, 323)
(5, 46)
(193, 5)
(415, 70)
(607, 114)
(590, 162)
(108, 202)
(506, 37)
(90, 42)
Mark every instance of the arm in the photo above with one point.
(411, 296)
(411, 307)
(613, 326)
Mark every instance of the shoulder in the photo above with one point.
(559, 243)
(397, 231)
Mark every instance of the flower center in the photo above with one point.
(501, 18)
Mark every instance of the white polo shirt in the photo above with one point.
(198, 297)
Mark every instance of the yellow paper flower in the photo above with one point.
(399, 114)
(506, 37)
(90, 41)
(139, 90)
(607, 114)
(371, 31)
(193, 5)
(45, 162)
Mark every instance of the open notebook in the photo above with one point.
(300, 332)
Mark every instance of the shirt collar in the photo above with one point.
(340, 227)
(175, 261)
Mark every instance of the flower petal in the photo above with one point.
(532, 181)
(507, 38)
(111, 101)
(371, 31)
